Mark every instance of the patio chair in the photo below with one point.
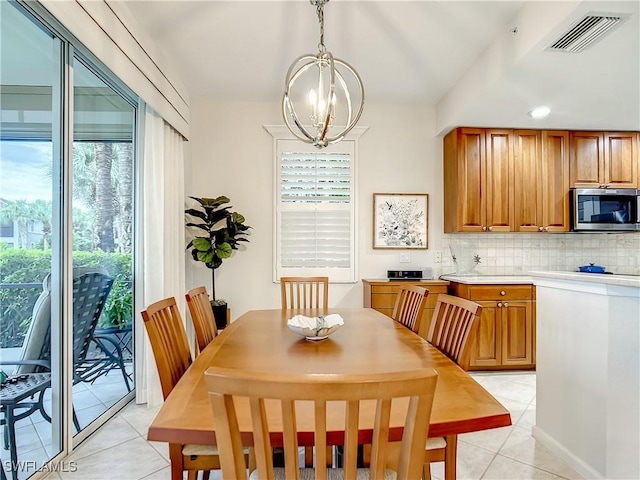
(90, 290)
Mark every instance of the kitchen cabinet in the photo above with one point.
(604, 159)
(381, 295)
(478, 180)
(506, 336)
(541, 177)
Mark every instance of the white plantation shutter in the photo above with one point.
(315, 212)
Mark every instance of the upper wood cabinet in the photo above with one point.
(604, 159)
(541, 176)
(478, 180)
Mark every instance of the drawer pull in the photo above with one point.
(506, 304)
(499, 304)
(502, 293)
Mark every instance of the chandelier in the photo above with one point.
(327, 99)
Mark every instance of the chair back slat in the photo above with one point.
(204, 322)
(454, 327)
(90, 292)
(305, 292)
(348, 391)
(409, 306)
(168, 340)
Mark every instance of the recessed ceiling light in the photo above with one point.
(539, 112)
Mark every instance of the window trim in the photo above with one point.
(283, 138)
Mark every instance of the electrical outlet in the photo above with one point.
(405, 257)
(437, 256)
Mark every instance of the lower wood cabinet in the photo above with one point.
(506, 337)
(381, 295)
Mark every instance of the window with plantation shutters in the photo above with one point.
(315, 211)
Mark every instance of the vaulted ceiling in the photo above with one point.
(482, 63)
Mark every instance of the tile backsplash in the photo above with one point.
(517, 254)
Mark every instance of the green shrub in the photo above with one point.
(31, 266)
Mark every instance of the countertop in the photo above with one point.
(489, 279)
(603, 278)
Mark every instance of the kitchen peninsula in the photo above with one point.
(588, 371)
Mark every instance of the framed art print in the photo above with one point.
(400, 220)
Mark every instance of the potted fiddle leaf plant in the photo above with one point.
(221, 233)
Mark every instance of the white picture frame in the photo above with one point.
(401, 220)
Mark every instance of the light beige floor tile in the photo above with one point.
(505, 386)
(162, 474)
(139, 416)
(44, 432)
(521, 446)
(110, 394)
(503, 468)
(516, 408)
(131, 460)
(88, 415)
(162, 448)
(52, 476)
(113, 433)
(28, 462)
(490, 440)
(472, 463)
(27, 439)
(528, 418)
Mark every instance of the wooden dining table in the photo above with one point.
(368, 342)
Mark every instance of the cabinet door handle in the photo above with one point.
(506, 304)
(490, 229)
(484, 229)
(540, 229)
(546, 229)
(502, 293)
(499, 304)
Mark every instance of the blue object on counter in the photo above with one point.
(591, 268)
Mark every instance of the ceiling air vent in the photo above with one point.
(591, 28)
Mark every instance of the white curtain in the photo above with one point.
(160, 265)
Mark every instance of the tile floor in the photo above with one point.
(33, 433)
(119, 449)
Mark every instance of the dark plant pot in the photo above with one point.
(220, 314)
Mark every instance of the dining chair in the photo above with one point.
(204, 322)
(347, 394)
(409, 306)
(453, 330)
(168, 339)
(305, 292)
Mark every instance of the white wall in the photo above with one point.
(230, 154)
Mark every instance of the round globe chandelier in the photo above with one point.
(324, 96)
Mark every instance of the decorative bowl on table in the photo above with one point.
(315, 328)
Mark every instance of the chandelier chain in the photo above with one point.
(320, 11)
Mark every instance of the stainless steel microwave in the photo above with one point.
(605, 209)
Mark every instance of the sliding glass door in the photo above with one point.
(102, 154)
(31, 202)
(67, 185)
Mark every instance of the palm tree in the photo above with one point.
(105, 196)
(124, 187)
(17, 211)
(42, 211)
